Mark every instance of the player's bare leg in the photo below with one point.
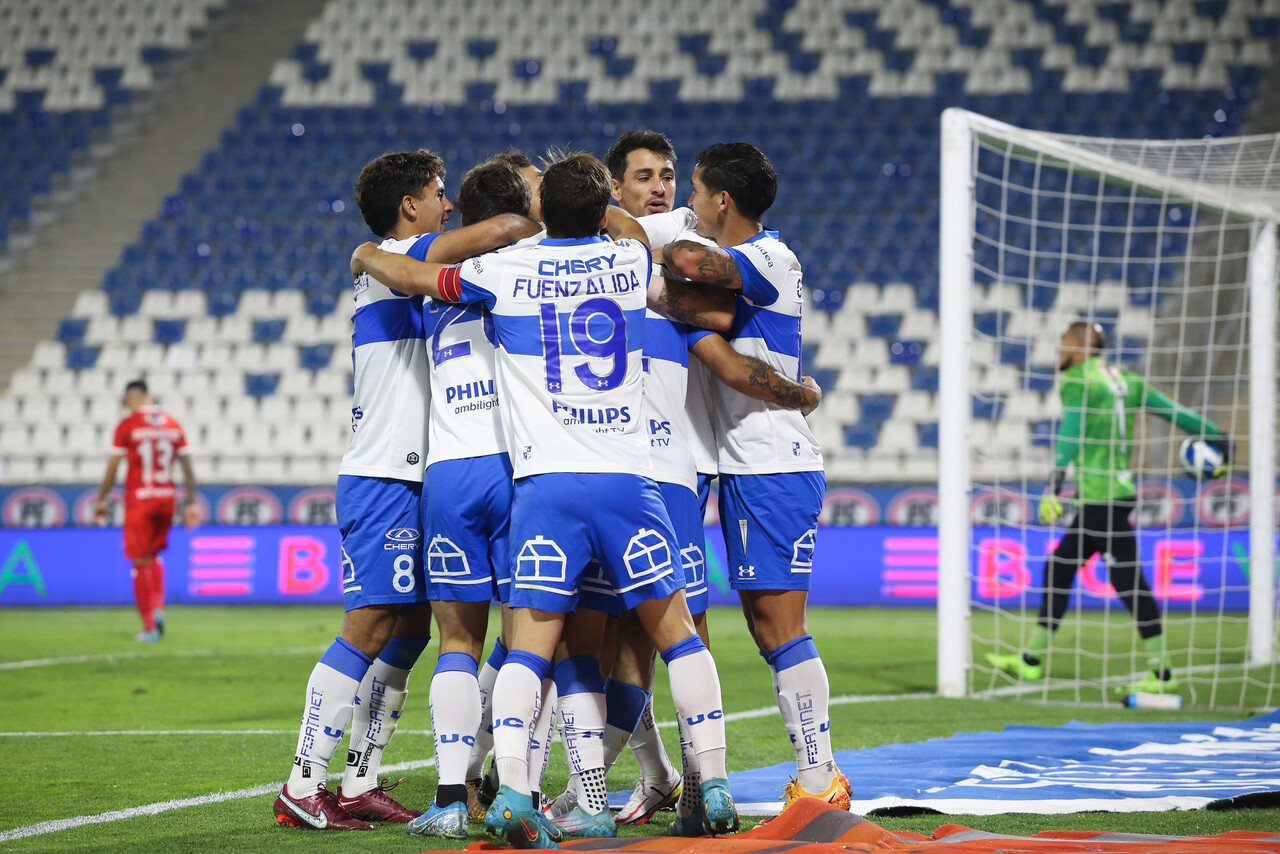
(776, 620)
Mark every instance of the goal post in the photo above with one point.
(1169, 245)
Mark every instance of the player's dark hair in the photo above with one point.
(136, 385)
(515, 157)
(741, 170)
(637, 140)
(387, 179)
(575, 193)
(494, 187)
(1089, 333)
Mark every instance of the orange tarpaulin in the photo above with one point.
(811, 826)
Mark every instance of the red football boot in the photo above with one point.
(377, 805)
(320, 811)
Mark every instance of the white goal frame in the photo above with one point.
(960, 128)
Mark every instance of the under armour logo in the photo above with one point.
(746, 572)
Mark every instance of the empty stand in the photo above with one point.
(234, 299)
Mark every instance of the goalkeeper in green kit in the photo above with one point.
(1098, 406)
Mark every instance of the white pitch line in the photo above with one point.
(46, 827)
(256, 791)
(127, 656)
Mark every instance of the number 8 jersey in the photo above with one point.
(568, 320)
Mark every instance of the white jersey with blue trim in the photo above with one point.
(568, 316)
(666, 381)
(757, 437)
(389, 358)
(661, 229)
(465, 419)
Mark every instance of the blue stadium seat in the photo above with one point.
(877, 407)
(315, 357)
(925, 378)
(862, 435)
(169, 331)
(905, 352)
(261, 385)
(988, 407)
(883, 325)
(71, 329)
(81, 358)
(1043, 433)
(928, 434)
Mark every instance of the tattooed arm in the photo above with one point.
(698, 262)
(696, 305)
(756, 378)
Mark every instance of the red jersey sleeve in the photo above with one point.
(120, 441)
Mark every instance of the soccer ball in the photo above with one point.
(1200, 459)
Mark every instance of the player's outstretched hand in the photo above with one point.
(1224, 446)
(100, 513)
(190, 515)
(1050, 508)
(811, 383)
(357, 258)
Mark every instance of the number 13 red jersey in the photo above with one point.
(152, 440)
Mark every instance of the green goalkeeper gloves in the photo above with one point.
(1050, 508)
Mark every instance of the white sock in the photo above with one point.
(484, 735)
(695, 687)
(455, 715)
(517, 698)
(803, 687)
(331, 692)
(690, 792)
(378, 704)
(582, 711)
(650, 752)
(540, 746)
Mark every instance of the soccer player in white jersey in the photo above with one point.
(465, 533)
(642, 169)
(568, 318)
(771, 476)
(386, 626)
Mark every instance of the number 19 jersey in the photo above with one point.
(568, 317)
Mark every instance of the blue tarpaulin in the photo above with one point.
(1112, 767)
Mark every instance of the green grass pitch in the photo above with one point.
(93, 722)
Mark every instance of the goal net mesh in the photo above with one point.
(1151, 240)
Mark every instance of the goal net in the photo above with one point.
(1170, 247)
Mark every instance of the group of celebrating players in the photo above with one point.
(527, 425)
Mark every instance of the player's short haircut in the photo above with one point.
(387, 179)
(136, 385)
(637, 140)
(575, 193)
(515, 157)
(743, 171)
(494, 187)
(1090, 334)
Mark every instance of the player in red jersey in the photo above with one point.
(152, 440)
